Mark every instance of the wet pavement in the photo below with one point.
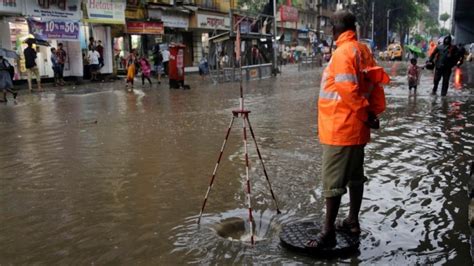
(96, 175)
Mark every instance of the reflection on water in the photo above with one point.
(105, 176)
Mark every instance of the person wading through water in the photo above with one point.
(444, 57)
(348, 106)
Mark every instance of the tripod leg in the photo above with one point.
(215, 169)
(263, 165)
(247, 177)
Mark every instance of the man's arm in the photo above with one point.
(435, 52)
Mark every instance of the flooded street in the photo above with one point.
(97, 175)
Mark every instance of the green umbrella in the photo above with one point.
(415, 50)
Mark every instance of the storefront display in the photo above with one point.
(102, 18)
(205, 24)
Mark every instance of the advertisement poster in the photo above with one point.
(55, 10)
(11, 6)
(289, 13)
(106, 11)
(57, 30)
(139, 27)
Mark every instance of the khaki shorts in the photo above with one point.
(342, 166)
(33, 71)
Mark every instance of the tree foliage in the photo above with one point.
(254, 6)
(444, 17)
(404, 15)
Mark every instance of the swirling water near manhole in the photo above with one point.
(127, 189)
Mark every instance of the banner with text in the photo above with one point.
(205, 21)
(145, 27)
(55, 10)
(54, 30)
(289, 13)
(11, 6)
(106, 11)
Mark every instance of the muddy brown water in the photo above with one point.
(98, 175)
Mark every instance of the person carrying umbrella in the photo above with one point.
(6, 83)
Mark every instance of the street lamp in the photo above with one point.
(388, 20)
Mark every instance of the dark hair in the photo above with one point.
(60, 44)
(343, 20)
(413, 61)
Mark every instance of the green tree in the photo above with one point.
(444, 17)
(254, 6)
(443, 32)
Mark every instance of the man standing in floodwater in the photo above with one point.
(445, 57)
(348, 106)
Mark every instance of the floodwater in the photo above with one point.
(97, 175)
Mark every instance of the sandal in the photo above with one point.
(348, 227)
(321, 241)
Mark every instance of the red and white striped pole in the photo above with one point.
(263, 166)
(249, 204)
(215, 169)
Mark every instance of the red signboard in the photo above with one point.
(289, 13)
(145, 27)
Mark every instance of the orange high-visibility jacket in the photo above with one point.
(346, 96)
(432, 48)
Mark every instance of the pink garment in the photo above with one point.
(145, 66)
(414, 74)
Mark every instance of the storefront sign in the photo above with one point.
(145, 27)
(175, 21)
(213, 22)
(54, 10)
(135, 13)
(289, 13)
(57, 30)
(106, 11)
(11, 6)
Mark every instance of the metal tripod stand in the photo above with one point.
(244, 114)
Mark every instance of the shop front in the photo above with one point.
(205, 25)
(176, 29)
(287, 20)
(104, 21)
(9, 14)
(52, 23)
(142, 34)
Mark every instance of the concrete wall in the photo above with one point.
(464, 21)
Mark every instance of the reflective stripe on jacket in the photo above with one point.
(346, 96)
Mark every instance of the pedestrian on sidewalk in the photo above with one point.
(30, 65)
(131, 62)
(6, 75)
(61, 61)
(100, 50)
(94, 63)
(203, 67)
(145, 69)
(158, 62)
(166, 59)
(55, 66)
